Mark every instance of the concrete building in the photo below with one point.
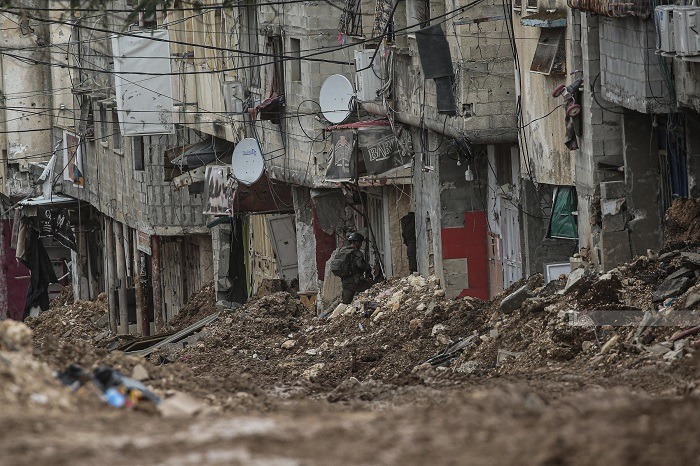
(634, 133)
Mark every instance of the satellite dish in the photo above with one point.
(335, 98)
(247, 163)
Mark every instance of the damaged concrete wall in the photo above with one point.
(693, 152)
(399, 198)
(543, 152)
(426, 200)
(306, 240)
(631, 72)
(642, 183)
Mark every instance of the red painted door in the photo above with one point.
(17, 277)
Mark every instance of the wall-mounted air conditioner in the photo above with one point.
(234, 95)
(663, 17)
(369, 80)
(686, 23)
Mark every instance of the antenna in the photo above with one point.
(335, 98)
(247, 163)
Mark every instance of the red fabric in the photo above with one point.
(325, 244)
(469, 243)
(16, 287)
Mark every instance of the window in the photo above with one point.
(295, 52)
(116, 135)
(274, 47)
(104, 127)
(517, 6)
(531, 5)
(137, 148)
(550, 55)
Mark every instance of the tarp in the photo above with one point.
(342, 165)
(204, 153)
(562, 223)
(144, 102)
(380, 150)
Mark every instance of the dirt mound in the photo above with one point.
(63, 335)
(682, 222)
(24, 381)
(200, 305)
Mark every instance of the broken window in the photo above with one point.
(138, 151)
(562, 223)
(295, 52)
(550, 55)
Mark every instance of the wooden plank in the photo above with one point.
(121, 275)
(111, 274)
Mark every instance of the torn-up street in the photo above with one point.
(328, 232)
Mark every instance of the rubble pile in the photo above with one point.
(25, 381)
(67, 334)
(576, 320)
(200, 305)
(382, 335)
(682, 222)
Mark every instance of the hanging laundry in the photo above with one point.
(42, 274)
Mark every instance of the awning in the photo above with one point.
(44, 201)
(204, 153)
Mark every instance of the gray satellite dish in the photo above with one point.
(335, 98)
(247, 163)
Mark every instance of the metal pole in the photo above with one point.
(156, 283)
(135, 269)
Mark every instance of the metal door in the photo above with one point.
(283, 237)
(510, 231)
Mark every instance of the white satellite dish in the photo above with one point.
(247, 163)
(335, 98)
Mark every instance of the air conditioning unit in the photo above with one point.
(663, 17)
(234, 96)
(686, 33)
(369, 79)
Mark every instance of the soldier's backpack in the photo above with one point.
(340, 264)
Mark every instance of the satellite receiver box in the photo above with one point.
(247, 163)
(336, 98)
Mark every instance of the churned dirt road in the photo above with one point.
(402, 376)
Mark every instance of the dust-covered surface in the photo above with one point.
(682, 222)
(402, 375)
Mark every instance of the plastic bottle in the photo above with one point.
(114, 397)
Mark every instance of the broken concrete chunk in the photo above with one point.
(691, 258)
(534, 304)
(514, 300)
(659, 350)
(180, 405)
(574, 280)
(438, 328)
(682, 272)
(140, 373)
(102, 321)
(289, 344)
(674, 354)
(670, 288)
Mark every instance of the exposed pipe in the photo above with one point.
(111, 273)
(121, 275)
